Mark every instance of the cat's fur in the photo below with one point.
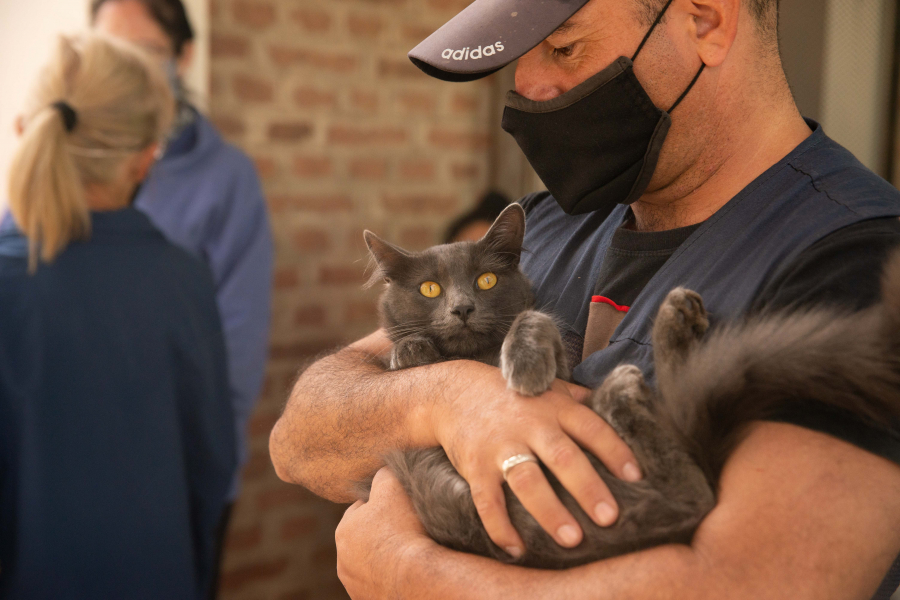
(495, 326)
(681, 433)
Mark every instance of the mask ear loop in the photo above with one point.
(652, 27)
(685, 92)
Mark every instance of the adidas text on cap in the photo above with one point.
(488, 35)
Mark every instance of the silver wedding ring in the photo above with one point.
(515, 460)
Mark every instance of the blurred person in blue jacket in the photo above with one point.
(117, 443)
(205, 196)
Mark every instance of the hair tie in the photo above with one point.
(69, 116)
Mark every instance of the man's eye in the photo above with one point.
(565, 51)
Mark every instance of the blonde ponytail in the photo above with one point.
(121, 105)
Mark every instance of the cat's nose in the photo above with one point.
(463, 311)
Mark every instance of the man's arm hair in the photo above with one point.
(801, 515)
(346, 411)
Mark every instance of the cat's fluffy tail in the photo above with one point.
(789, 367)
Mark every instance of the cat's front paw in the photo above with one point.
(413, 352)
(532, 355)
(680, 323)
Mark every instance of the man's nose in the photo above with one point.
(534, 79)
(463, 311)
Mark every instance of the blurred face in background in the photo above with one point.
(130, 20)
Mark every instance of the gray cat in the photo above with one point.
(681, 433)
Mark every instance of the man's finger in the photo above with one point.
(528, 483)
(487, 494)
(574, 471)
(588, 429)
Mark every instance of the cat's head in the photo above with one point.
(462, 296)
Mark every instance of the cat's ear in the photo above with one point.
(389, 259)
(506, 234)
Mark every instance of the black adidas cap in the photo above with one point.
(488, 35)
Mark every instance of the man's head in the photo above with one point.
(159, 26)
(734, 40)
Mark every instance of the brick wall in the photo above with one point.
(347, 135)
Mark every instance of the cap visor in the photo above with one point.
(488, 35)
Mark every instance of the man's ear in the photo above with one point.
(388, 258)
(507, 233)
(713, 27)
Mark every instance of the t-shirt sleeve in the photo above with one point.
(843, 269)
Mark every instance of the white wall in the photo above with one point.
(27, 32)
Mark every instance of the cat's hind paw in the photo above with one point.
(680, 323)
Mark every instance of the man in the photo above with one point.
(734, 195)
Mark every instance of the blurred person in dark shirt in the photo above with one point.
(117, 442)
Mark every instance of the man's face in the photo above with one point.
(598, 34)
(131, 21)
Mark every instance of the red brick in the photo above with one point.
(256, 467)
(368, 168)
(399, 68)
(464, 103)
(308, 97)
(312, 315)
(311, 240)
(416, 33)
(419, 170)
(312, 20)
(238, 577)
(244, 538)
(229, 126)
(289, 132)
(337, 275)
(229, 46)
(347, 134)
(266, 167)
(306, 595)
(364, 101)
(312, 166)
(258, 15)
(465, 171)
(418, 101)
(459, 140)
(300, 351)
(298, 527)
(286, 278)
(283, 495)
(253, 89)
(417, 238)
(417, 204)
(321, 203)
(364, 25)
(366, 311)
(262, 424)
(284, 57)
(453, 6)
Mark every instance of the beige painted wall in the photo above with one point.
(27, 32)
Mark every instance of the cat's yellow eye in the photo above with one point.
(430, 289)
(487, 281)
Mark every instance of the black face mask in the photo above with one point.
(597, 145)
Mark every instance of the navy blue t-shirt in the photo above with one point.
(116, 430)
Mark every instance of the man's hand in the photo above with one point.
(482, 423)
(346, 412)
(373, 535)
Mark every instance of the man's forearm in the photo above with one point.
(346, 411)
(665, 572)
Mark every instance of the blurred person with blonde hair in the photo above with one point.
(117, 441)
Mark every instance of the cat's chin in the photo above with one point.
(465, 341)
